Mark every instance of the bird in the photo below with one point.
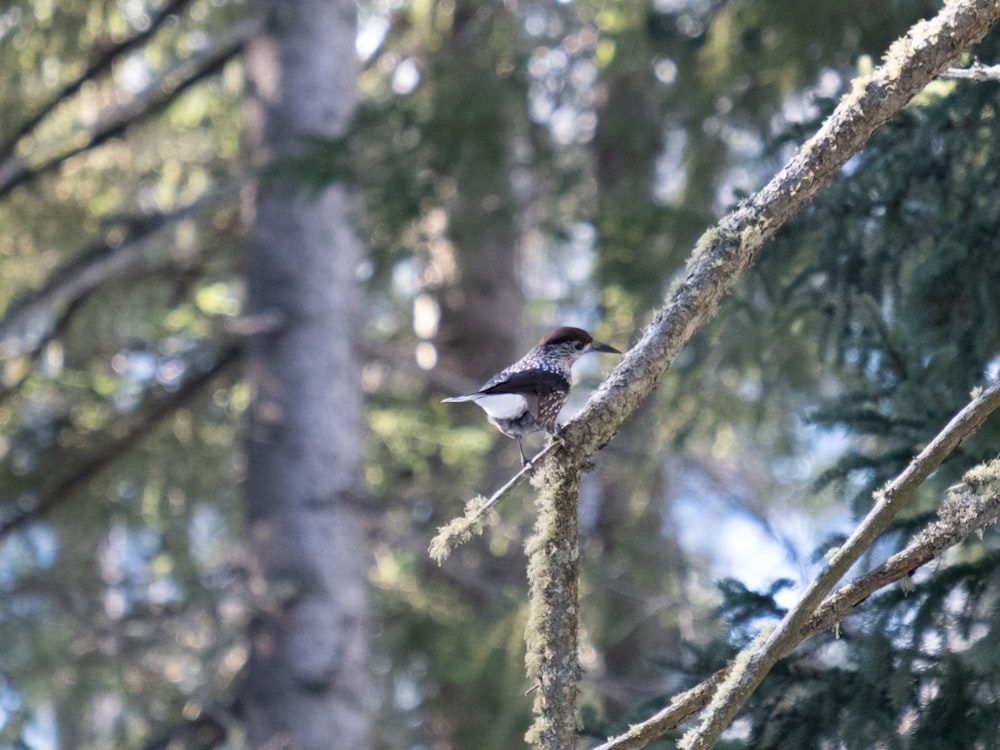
(528, 395)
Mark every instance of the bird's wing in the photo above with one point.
(525, 382)
(528, 382)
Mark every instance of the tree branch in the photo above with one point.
(156, 98)
(462, 529)
(551, 632)
(969, 507)
(975, 72)
(889, 502)
(101, 64)
(726, 250)
(53, 490)
(720, 257)
(27, 321)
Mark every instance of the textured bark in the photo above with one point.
(551, 633)
(306, 680)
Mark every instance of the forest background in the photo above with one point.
(510, 167)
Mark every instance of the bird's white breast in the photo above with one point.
(502, 405)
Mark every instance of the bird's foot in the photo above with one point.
(555, 438)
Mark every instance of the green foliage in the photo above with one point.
(899, 257)
(744, 608)
(904, 262)
(120, 486)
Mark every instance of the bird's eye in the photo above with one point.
(578, 345)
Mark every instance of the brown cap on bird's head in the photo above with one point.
(569, 335)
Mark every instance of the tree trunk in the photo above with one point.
(306, 680)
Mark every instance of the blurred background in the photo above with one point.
(514, 166)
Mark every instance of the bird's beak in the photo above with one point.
(597, 346)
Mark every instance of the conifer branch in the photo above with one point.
(969, 508)
(889, 502)
(77, 468)
(28, 320)
(101, 64)
(462, 529)
(15, 171)
(719, 258)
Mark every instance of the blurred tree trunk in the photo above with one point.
(306, 681)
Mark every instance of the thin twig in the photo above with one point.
(525, 471)
(462, 529)
(975, 72)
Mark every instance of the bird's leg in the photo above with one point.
(524, 459)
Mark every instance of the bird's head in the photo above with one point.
(566, 345)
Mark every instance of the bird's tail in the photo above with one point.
(454, 399)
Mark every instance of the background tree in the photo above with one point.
(306, 678)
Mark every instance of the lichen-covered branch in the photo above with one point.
(889, 502)
(726, 250)
(462, 529)
(551, 633)
(720, 257)
(718, 260)
(970, 507)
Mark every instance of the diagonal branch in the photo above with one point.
(15, 171)
(970, 507)
(724, 252)
(889, 502)
(721, 256)
(27, 322)
(101, 64)
(462, 529)
(53, 490)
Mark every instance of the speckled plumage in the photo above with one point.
(528, 396)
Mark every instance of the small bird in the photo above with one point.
(528, 396)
